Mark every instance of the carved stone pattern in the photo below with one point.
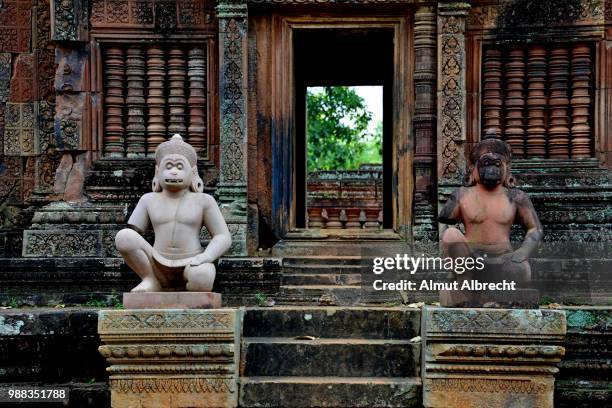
(42, 39)
(176, 94)
(494, 385)
(46, 165)
(10, 185)
(193, 13)
(46, 75)
(117, 11)
(130, 321)
(165, 16)
(61, 244)
(66, 21)
(451, 96)
(15, 25)
(170, 351)
(581, 100)
(537, 100)
(20, 124)
(114, 129)
(172, 385)
(24, 82)
(135, 102)
(492, 92)
(142, 12)
(46, 120)
(233, 102)
(496, 321)
(515, 101)
(197, 100)
(483, 16)
(162, 15)
(5, 76)
(502, 351)
(156, 75)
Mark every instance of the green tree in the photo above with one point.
(337, 130)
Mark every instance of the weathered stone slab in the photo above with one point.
(15, 26)
(171, 357)
(172, 300)
(491, 357)
(24, 81)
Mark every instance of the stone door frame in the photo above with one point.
(284, 116)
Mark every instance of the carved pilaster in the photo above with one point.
(491, 357)
(451, 96)
(536, 101)
(176, 95)
(558, 132)
(135, 102)
(197, 100)
(156, 101)
(424, 118)
(233, 116)
(69, 20)
(114, 129)
(581, 100)
(171, 357)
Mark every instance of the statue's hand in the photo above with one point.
(200, 259)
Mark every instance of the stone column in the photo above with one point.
(451, 96)
(424, 123)
(491, 357)
(171, 357)
(233, 119)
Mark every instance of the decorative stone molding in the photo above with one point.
(491, 357)
(451, 92)
(232, 187)
(172, 357)
(69, 20)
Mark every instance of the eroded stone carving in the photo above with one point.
(176, 209)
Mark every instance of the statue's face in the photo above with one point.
(175, 173)
(491, 169)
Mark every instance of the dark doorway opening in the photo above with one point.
(343, 57)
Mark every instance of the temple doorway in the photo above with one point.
(343, 88)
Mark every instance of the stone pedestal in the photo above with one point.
(491, 357)
(171, 357)
(172, 300)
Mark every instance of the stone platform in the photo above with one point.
(171, 358)
(491, 357)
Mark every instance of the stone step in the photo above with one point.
(337, 392)
(341, 357)
(322, 268)
(331, 260)
(333, 322)
(316, 294)
(293, 279)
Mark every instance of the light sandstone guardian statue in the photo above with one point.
(176, 209)
(488, 205)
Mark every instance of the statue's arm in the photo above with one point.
(221, 237)
(139, 220)
(451, 212)
(528, 218)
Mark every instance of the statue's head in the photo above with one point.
(489, 164)
(176, 167)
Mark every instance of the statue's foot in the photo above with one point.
(148, 285)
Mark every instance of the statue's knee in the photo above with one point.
(127, 240)
(201, 277)
(452, 235)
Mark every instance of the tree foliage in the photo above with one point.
(337, 130)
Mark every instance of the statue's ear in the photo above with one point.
(470, 176)
(155, 186)
(197, 185)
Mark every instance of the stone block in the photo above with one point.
(24, 81)
(491, 357)
(172, 357)
(45, 75)
(20, 130)
(16, 26)
(172, 300)
(70, 114)
(6, 65)
(71, 74)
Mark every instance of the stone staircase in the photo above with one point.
(314, 280)
(299, 357)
